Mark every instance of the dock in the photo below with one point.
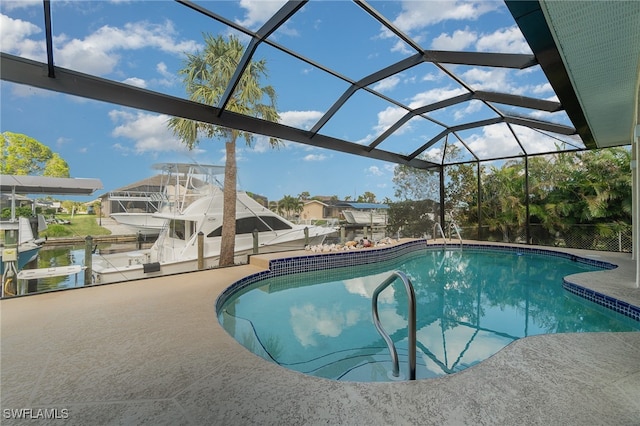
(119, 234)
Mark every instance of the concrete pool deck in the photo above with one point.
(152, 352)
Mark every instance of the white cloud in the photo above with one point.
(21, 4)
(260, 144)
(472, 106)
(504, 40)
(507, 40)
(431, 77)
(434, 154)
(168, 79)
(61, 141)
(161, 67)
(492, 80)
(460, 40)
(366, 286)
(97, 53)
(258, 11)
(14, 38)
(374, 171)
(401, 47)
(315, 157)
(135, 81)
(308, 321)
(542, 89)
(387, 84)
(148, 131)
(434, 95)
(300, 119)
(387, 117)
(493, 141)
(417, 15)
(536, 142)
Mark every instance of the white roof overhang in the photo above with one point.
(48, 185)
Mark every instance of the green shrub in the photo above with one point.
(55, 230)
(24, 211)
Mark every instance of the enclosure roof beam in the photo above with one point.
(25, 71)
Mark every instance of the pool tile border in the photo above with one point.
(321, 261)
(609, 302)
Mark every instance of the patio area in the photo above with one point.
(152, 352)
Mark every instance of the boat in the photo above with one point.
(179, 185)
(26, 244)
(176, 248)
(365, 217)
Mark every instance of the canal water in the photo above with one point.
(55, 256)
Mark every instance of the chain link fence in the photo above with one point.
(604, 237)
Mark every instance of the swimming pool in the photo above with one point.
(470, 304)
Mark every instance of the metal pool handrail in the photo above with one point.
(454, 226)
(437, 226)
(412, 323)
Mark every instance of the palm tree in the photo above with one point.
(274, 206)
(206, 76)
(290, 205)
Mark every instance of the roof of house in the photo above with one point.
(361, 206)
(315, 201)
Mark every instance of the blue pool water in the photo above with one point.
(470, 304)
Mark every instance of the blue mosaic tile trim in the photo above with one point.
(239, 285)
(545, 252)
(319, 261)
(322, 261)
(612, 303)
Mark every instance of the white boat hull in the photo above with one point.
(143, 223)
(176, 248)
(139, 264)
(365, 217)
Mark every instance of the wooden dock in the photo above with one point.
(98, 239)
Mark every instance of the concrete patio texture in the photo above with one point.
(152, 352)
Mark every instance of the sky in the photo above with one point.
(143, 43)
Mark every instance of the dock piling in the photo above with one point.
(88, 254)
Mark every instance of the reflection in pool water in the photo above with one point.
(470, 304)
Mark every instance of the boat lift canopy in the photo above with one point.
(48, 185)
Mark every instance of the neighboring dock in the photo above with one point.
(119, 234)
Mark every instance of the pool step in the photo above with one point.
(359, 364)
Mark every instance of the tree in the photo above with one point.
(23, 155)
(569, 191)
(503, 206)
(304, 196)
(273, 206)
(419, 184)
(415, 184)
(367, 197)
(206, 75)
(461, 195)
(411, 217)
(290, 205)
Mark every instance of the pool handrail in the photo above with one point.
(454, 226)
(411, 323)
(437, 226)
